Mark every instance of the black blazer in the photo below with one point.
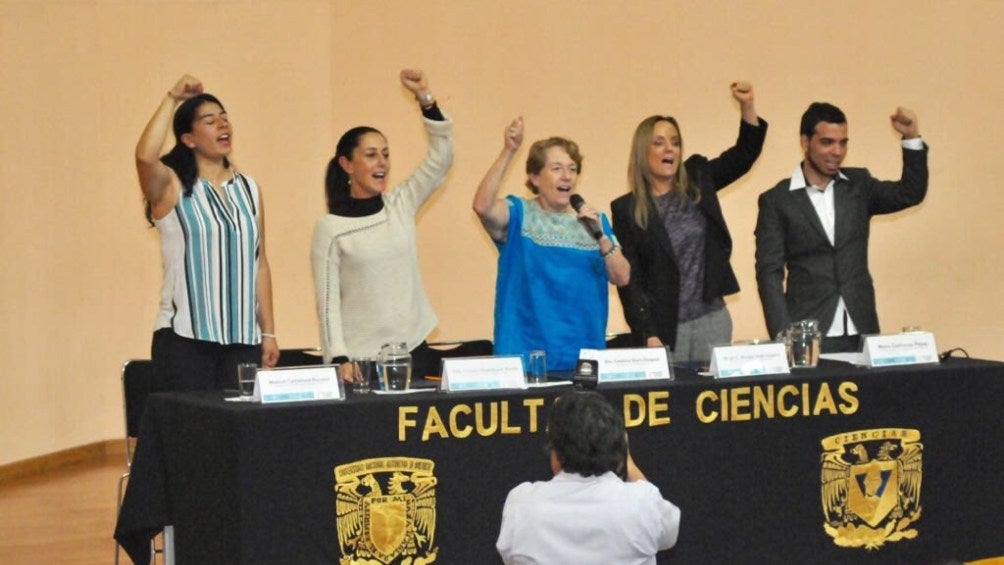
(651, 300)
(790, 236)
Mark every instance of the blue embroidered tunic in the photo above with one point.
(551, 291)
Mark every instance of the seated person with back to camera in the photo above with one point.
(598, 508)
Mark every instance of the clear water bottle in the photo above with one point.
(395, 367)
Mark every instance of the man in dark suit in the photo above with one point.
(815, 225)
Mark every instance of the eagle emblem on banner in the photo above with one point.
(386, 511)
(871, 486)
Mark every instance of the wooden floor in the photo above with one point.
(64, 516)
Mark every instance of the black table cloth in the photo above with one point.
(743, 458)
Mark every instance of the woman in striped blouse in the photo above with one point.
(216, 300)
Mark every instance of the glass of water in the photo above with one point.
(365, 374)
(537, 367)
(246, 375)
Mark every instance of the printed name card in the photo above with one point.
(911, 348)
(296, 384)
(637, 364)
(483, 373)
(747, 360)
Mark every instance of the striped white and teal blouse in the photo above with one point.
(209, 246)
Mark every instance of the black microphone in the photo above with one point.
(592, 225)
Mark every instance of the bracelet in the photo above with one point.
(263, 334)
(610, 251)
(426, 99)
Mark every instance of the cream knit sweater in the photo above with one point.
(366, 278)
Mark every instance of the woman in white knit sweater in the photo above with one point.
(364, 254)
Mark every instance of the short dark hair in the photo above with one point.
(820, 112)
(587, 434)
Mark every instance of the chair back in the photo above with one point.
(299, 357)
(622, 341)
(470, 348)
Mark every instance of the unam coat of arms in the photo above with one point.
(386, 511)
(871, 486)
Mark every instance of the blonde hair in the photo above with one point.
(537, 156)
(638, 179)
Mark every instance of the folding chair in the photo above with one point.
(137, 375)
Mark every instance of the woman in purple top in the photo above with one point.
(671, 227)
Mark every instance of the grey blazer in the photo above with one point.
(790, 236)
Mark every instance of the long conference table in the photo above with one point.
(836, 464)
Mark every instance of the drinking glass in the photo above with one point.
(365, 369)
(246, 375)
(537, 367)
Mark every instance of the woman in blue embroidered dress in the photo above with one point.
(551, 290)
(216, 301)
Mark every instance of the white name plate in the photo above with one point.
(912, 348)
(635, 364)
(296, 384)
(747, 360)
(483, 373)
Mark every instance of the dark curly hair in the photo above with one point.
(587, 434)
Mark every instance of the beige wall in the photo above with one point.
(80, 270)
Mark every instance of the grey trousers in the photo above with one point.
(695, 338)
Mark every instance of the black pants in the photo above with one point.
(181, 364)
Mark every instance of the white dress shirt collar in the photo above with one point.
(798, 178)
